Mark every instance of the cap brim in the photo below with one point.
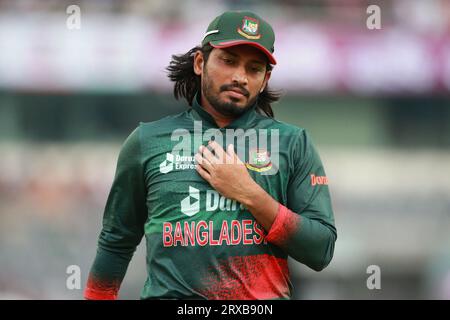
(231, 43)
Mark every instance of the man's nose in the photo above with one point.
(240, 76)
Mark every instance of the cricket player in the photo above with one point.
(223, 192)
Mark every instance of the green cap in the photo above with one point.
(234, 28)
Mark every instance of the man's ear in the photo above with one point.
(266, 79)
(198, 63)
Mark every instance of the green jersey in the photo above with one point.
(201, 245)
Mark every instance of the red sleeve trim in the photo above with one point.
(285, 224)
(97, 290)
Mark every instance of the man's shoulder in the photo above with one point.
(169, 122)
(283, 127)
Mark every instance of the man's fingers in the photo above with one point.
(203, 162)
(221, 156)
(203, 173)
(204, 151)
(218, 150)
(230, 150)
(233, 157)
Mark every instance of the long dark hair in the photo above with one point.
(187, 83)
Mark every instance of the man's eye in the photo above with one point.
(256, 69)
(227, 61)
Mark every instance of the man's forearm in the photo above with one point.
(260, 204)
(306, 240)
(106, 275)
(114, 253)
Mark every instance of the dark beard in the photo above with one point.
(229, 109)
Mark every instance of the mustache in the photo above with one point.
(227, 87)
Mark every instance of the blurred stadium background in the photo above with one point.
(375, 101)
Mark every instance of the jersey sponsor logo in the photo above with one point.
(167, 165)
(212, 199)
(201, 233)
(177, 162)
(322, 180)
(259, 160)
(249, 28)
(191, 208)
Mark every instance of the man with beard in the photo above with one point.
(223, 192)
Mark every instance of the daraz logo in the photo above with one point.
(190, 208)
(177, 162)
(167, 165)
(213, 201)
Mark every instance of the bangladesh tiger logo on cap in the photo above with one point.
(249, 28)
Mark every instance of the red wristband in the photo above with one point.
(285, 224)
(98, 290)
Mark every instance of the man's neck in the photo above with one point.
(220, 119)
